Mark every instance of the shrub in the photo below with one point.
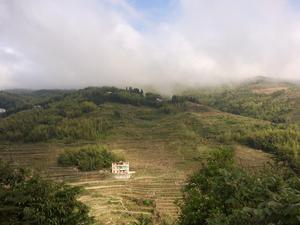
(25, 198)
(88, 158)
(87, 107)
(148, 202)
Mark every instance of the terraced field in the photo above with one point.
(115, 201)
(153, 190)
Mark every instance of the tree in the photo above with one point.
(88, 158)
(223, 194)
(87, 107)
(26, 198)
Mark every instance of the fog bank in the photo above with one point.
(77, 43)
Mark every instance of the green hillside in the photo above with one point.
(165, 139)
(262, 121)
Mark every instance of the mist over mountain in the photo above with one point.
(75, 43)
(150, 112)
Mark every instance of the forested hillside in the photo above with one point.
(18, 100)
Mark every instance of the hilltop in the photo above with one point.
(262, 98)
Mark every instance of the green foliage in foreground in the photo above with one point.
(28, 199)
(88, 158)
(223, 194)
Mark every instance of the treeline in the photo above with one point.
(274, 107)
(181, 100)
(133, 96)
(23, 100)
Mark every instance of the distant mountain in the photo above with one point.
(11, 101)
(18, 91)
(14, 100)
(261, 97)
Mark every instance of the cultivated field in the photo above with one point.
(153, 190)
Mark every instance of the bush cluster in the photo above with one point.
(26, 198)
(88, 158)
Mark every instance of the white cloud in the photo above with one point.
(77, 43)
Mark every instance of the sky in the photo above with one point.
(158, 43)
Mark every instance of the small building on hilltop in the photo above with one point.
(159, 100)
(120, 169)
(2, 110)
(37, 107)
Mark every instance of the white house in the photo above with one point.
(120, 169)
(2, 110)
(37, 107)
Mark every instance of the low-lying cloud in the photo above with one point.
(78, 43)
